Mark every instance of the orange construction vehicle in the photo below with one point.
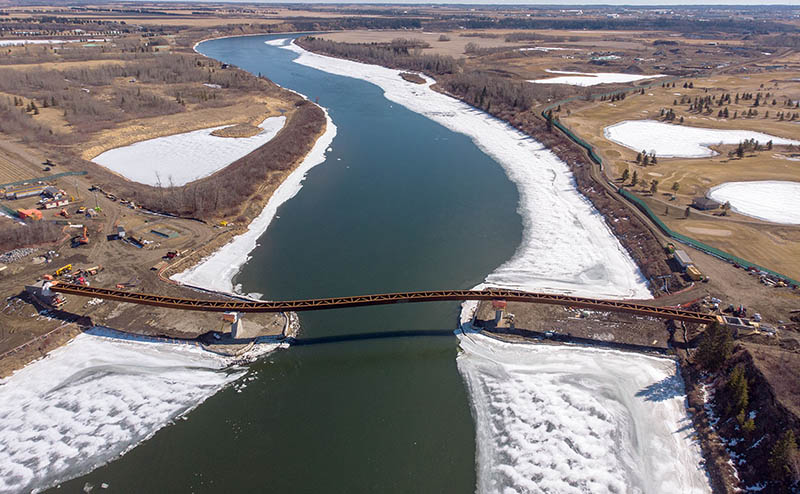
(64, 213)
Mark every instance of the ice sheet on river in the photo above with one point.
(576, 420)
(566, 247)
(93, 399)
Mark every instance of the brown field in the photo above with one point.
(773, 246)
(17, 164)
(251, 109)
(454, 47)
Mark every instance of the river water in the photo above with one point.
(387, 399)
(401, 203)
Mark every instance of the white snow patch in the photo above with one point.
(680, 141)
(576, 420)
(182, 158)
(547, 48)
(20, 42)
(96, 398)
(566, 246)
(591, 79)
(769, 200)
(216, 271)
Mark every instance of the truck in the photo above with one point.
(63, 270)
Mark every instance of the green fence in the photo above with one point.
(43, 179)
(7, 210)
(640, 204)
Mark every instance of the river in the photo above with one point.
(393, 208)
(400, 203)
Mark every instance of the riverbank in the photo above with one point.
(194, 240)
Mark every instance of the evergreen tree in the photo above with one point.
(716, 346)
(737, 387)
(676, 186)
(653, 186)
(635, 179)
(781, 457)
(625, 175)
(638, 158)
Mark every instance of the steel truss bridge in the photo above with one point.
(382, 299)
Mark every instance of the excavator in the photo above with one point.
(81, 239)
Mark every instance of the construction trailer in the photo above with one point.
(682, 258)
(55, 203)
(25, 191)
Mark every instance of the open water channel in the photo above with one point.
(401, 203)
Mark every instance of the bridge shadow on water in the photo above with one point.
(376, 335)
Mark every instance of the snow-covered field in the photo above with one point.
(548, 48)
(181, 158)
(216, 272)
(577, 420)
(680, 141)
(768, 200)
(94, 399)
(591, 79)
(566, 246)
(19, 42)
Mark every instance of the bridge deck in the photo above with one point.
(381, 299)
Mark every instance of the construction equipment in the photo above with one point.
(93, 270)
(694, 273)
(85, 238)
(64, 213)
(63, 270)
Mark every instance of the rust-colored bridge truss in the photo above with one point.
(381, 299)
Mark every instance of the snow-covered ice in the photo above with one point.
(769, 200)
(680, 141)
(94, 399)
(591, 78)
(181, 158)
(577, 420)
(216, 271)
(567, 246)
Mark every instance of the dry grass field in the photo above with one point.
(773, 246)
(250, 109)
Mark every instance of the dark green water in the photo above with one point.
(400, 204)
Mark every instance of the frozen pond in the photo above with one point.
(574, 420)
(680, 141)
(182, 158)
(590, 78)
(768, 200)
